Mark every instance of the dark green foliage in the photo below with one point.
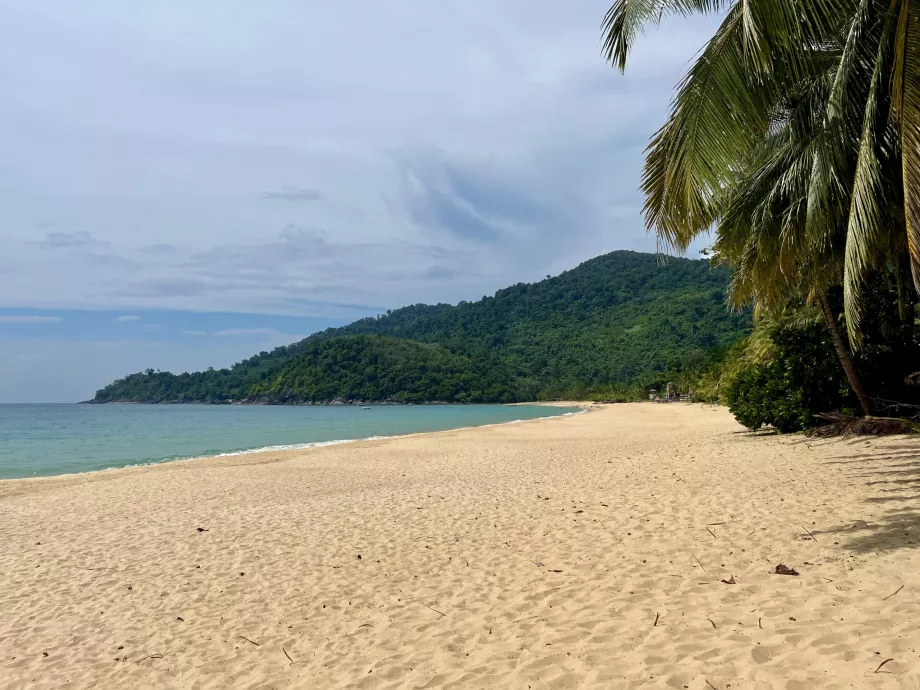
(802, 379)
(371, 367)
(347, 368)
(613, 319)
(606, 328)
(802, 375)
(891, 347)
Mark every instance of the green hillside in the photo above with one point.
(356, 367)
(614, 321)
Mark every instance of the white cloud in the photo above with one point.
(119, 154)
(245, 332)
(30, 319)
(194, 332)
(128, 317)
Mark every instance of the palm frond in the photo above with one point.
(715, 120)
(867, 227)
(761, 232)
(797, 131)
(726, 103)
(844, 425)
(910, 135)
(626, 20)
(834, 161)
(900, 55)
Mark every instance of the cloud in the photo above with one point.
(535, 210)
(30, 319)
(471, 200)
(70, 240)
(446, 272)
(293, 194)
(194, 332)
(304, 270)
(128, 317)
(160, 249)
(112, 261)
(515, 154)
(246, 332)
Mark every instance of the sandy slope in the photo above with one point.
(532, 555)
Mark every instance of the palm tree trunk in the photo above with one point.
(843, 354)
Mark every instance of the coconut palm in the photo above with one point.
(763, 230)
(797, 132)
(863, 195)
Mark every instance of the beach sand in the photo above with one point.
(583, 551)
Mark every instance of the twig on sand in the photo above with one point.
(156, 656)
(655, 624)
(711, 685)
(698, 561)
(243, 637)
(713, 623)
(287, 655)
(435, 610)
(716, 524)
(524, 619)
(809, 533)
(759, 625)
(894, 592)
(882, 664)
(712, 533)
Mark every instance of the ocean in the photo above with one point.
(44, 440)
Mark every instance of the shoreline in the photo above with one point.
(580, 407)
(635, 546)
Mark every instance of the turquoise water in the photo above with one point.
(43, 440)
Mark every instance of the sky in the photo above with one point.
(184, 184)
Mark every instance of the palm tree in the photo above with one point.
(797, 132)
(869, 154)
(763, 230)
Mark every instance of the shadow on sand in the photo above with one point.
(891, 468)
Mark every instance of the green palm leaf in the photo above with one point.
(868, 227)
(797, 132)
(910, 135)
(626, 20)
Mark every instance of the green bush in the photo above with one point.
(802, 379)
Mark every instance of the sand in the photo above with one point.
(532, 555)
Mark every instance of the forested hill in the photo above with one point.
(618, 320)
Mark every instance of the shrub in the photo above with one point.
(802, 379)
